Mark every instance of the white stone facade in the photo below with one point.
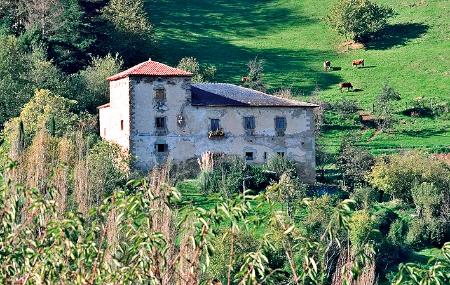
(130, 121)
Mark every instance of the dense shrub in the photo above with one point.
(354, 163)
(280, 165)
(397, 174)
(226, 177)
(397, 232)
(365, 197)
(363, 229)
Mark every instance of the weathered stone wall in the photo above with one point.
(187, 128)
(118, 110)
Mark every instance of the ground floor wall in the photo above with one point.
(298, 147)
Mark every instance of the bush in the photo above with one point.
(363, 229)
(280, 165)
(359, 19)
(397, 232)
(397, 174)
(365, 197)
(226, 177)
(354, 163)
(417, 233)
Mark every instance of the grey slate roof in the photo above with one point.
(224, 94)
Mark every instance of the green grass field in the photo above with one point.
(293, 39)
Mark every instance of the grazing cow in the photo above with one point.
(347, 85)
(357, 62)
(245, 79)
(327, 65)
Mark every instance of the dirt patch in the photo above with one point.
(350, 45)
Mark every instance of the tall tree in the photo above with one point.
(131, 32)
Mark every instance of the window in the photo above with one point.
(121, 125)
(104, 132)
(280, 125)
(215, 125)
(160, 123)
(160, 94)
(249, 123)
(280, 153)
(249, 155)
(161, 147)
(265, 155)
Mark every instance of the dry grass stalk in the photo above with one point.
(285, 93)
(61, 179)
(206, 161)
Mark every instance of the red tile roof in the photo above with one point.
(150, 68)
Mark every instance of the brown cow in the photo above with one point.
(327, 65)
(245, 79)
(357, 62)
(347, 85)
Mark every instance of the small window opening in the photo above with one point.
(280, 153)
(160, 94)
(104, 132)
(249, 155)
(249, 123)
(161, 147)
(215, 125)
(121, 125)
(160, 123)
(265, 155)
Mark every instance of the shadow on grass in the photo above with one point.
(208, 30)
(424, 133)
(368, 66)
(396, 35)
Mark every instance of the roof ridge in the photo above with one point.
(150, 68)
(292, 101)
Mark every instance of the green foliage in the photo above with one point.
(436, 272)
(384, 108)
(318, 215)
(365, 197)
(280, 165)
(226, 177)
(200, 73)
(40, 111)
(131, 32)
(13, 78)
(397, 232)
(354, 163)
(362, 229)
(399, 173)
(359, 19)
(90, 87)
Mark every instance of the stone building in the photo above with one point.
(156, 113)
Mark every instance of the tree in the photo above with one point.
(14, 82)
(254, 78)
(39, 112)
(383, 110)
(354, 163)
(131, 32)
(358, 19)
(90, 86)
(200, 73)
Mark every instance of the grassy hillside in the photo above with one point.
(292, 38)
